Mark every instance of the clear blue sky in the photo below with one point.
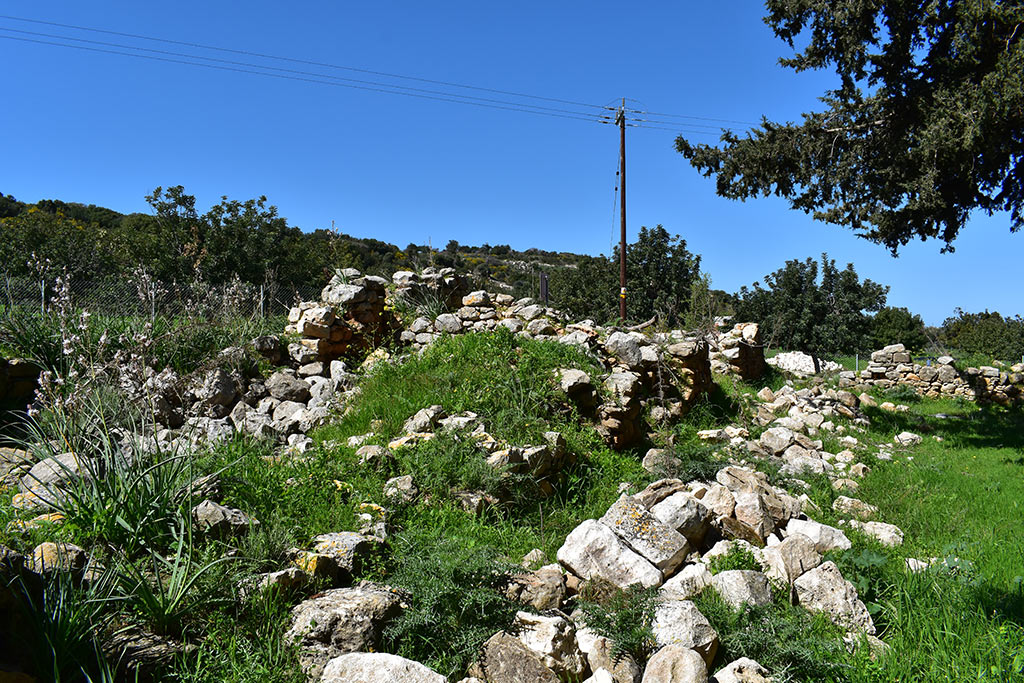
(106, 129)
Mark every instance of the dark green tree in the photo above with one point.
(898, 326)
(660, 274)
(815, 312)
(923, 128)
(987, 333)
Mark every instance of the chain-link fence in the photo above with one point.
(146, 297)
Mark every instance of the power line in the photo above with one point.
(290, 71)
(329, 65)
(300, 61)
(442, 97)
(695, 118)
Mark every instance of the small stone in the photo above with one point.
(221, 521)
(377, 667)
(742, 670)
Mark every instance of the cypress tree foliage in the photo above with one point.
(818, 315)
(898, 326)
(925, 126)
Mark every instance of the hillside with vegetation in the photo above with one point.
(477, 486)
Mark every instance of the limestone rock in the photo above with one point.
(658, 460)
(625, 348)
(592, 550)
(776, 439)
(854, 507)
(679, 622)
(553, 638)
(340, 621)
(886, 534)
(49, 557)
(221, 521)
(377, 667)
(743, 670)
(618, 669)
(285, 387)
(684, 513)
(719, 500)
(347, 551)
(740, 587)
(791, 559)
(47, 480)
(825, 590)
(448, 323)
(687, 583)
(401, 489)
(676, 664)
(659, 491)
(908, 439)
(424, 420)
(661, 545)
(823, 537)
(542, 589)
(506, 660)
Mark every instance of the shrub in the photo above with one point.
(901, 393)
(456, 597)
(624, 617)
(787, 640)
(738, 557)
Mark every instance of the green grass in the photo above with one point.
(961, 498)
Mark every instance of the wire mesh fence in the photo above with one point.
(145, 297)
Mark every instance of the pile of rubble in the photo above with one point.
(892, 366)
(543, 463)
(801, 364)
(665, 536)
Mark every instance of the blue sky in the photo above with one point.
(106, 129)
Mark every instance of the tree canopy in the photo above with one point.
(660, 274)
(898, 326)
(819, 312)
(924, 127)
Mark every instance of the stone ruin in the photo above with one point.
(739, 351)
(892, 366)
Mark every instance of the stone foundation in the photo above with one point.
(893, 366)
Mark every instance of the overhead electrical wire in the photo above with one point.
(290, 71)
(221, 64)
(299, 61)
(308, 80)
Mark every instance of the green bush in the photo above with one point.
(738, 557)
(624, 617)
(901, 393)
(788, 641)
(456, 599)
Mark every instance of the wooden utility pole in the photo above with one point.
(621, 120)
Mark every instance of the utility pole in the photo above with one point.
(621, 120)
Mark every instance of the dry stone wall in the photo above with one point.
(892, 366)
(740, 351)
(349, 318)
